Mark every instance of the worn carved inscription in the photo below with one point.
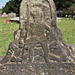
(38, 48)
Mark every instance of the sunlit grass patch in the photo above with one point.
(6, 34)
(67, 26)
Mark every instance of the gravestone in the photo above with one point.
(12, 14)
(38, 48)
(4, 15)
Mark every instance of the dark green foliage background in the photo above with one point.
(63, 4)
(13, 5)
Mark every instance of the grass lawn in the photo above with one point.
(68, 30)
(7, 32)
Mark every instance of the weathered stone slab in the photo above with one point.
(12, 14)
(38, 48)
(38, 69)
(1, 57)
(4, 14)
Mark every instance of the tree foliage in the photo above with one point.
(12, 6)
(0, 10)
(63, 4)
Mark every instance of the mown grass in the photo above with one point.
(67, 26)
(6, 34)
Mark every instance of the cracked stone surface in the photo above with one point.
(38, 47)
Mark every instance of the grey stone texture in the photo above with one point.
(4, 14)
(38, 48)
(12, 14)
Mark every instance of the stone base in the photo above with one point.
(38, 69)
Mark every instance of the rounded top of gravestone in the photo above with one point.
(36, 15)
(43, 10)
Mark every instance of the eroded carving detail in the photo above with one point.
(38, 48)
